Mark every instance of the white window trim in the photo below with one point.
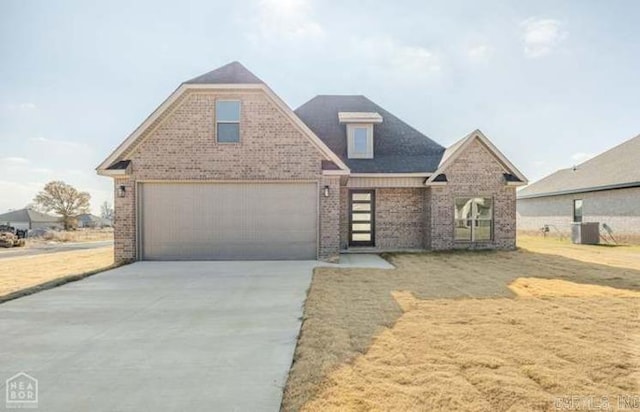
(215, 109)
(351, 153)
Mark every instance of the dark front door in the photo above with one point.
(361, 218)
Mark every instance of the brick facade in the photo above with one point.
(476, 172)
(619, 209)
(183, 147)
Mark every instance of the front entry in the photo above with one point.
(362, 218)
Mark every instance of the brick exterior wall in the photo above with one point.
(399, 218)
(423, 218)
(476, 172)
(182, 146)
(619, 209)
(124, 222)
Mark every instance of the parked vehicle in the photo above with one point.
(11, 237)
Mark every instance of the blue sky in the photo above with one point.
(550, 82)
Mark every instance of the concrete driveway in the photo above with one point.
(162, 336)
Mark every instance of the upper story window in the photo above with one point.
(228, 121)
(361, 142)
(359, 133)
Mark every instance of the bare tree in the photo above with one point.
(106, 211)
(63, 199)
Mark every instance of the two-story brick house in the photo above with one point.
(224, 169)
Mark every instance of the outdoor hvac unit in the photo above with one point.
(585, 233)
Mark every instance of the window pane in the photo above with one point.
(360, 140)
(361, 196)
(361, 237)
(463, 229)
(361, 206)
(483, 206)
(228, 132)
(483, 230)
(361, 227)
(577, 210)
(463, 208)
(361, 217)
(227, 111)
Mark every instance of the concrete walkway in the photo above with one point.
(162, 336)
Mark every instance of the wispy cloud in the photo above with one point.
(480, 52)
(14, 160)
(21, 106)
(289, 20)
(581, 157)
(397, 59)
(57, 143)
(541, 36)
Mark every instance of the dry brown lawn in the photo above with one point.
(73, 236)
(26, 271)
(624, 256)
(483, 331)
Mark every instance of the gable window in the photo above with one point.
(360, 145)
(228, 121)
(577, 211)
(473, 219)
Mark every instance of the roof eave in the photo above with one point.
(582, 190)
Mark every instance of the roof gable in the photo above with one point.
(398, 147)
(210, 81)
(616, 167)
(456, 149)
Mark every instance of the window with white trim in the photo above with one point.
(228, 121)
(360, 141)
(473, 219)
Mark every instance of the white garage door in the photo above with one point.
(200, 221)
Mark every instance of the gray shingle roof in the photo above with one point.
(232, 73)
(27, 215)
(615, 168)
(398, 147)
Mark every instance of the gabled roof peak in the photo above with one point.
(231, 73)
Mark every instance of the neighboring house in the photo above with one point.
(605, 189)
(30, 219)
(91, 221)
(224, 169)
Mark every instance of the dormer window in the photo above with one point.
(359, 133)
(360, 144)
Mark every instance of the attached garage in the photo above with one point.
(228, 221)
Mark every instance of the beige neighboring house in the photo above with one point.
(604, 189)
(25, 219)
(224, 169)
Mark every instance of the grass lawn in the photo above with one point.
(474, 331)
(27, 271)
